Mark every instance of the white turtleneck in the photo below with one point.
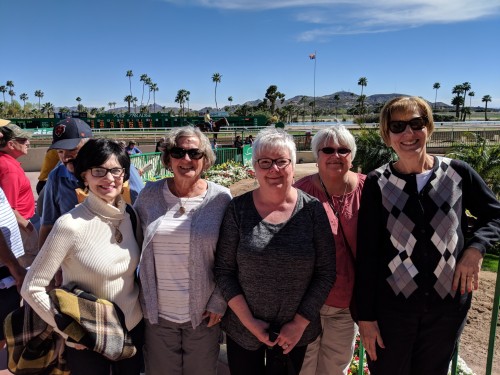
(82, 243)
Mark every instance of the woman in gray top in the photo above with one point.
(180, 218)
(274, 265)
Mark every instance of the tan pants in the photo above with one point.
(332, 351)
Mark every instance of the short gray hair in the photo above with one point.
(339, 134)
(172, 137)
(272, 139)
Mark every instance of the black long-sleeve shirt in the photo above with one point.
(409, 241)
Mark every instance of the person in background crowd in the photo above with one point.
(17, 187)
(95, 245)
(68, 137)
(339, 190)
(249, 140)
(208, 121)
(180, 218)
(49, 163)
(131, 149)
(416, 263)
(275, 265)
(160, 145)
(11, 249)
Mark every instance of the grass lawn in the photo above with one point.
(490, 263)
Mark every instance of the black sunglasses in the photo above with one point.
(179, 153)
(417, 123)
(341, 151)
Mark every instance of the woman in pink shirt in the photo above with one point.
(339, 189)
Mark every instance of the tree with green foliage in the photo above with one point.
(484, 158)
(216, 78)
(48, 107)
(471, 94)
(3, 90)
(23, 97)
(466, 86)
(39, 94)
(336, 99)
(371, 152)
(230, 100)
(128, 99)
(272, 94)
(130, 75)
(457, 100)
(363, 82)
(153, 88)
(181, 99)
(485, 100)
(10, 85)
(436, 87)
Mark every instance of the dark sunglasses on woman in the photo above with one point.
(417, 123)
(341, 151)
(179, 153)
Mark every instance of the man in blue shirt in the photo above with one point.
(68, 137)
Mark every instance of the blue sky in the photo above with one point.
(70, 49)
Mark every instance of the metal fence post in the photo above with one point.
(493, 326)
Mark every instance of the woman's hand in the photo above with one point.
(214, 318)
(370, 337)
(291, 333)
(259, 329)
(467, 271)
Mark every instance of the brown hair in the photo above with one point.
(404, 104)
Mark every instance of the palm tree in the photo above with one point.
(465, 87)
(3, 90)
(230, 100)
(10, 85)
(187, 98)
(181, 99)
(79, 106)
(457, 101)
(485, 100)
(471, 94)
(272, 94)
(149, 82)
(48, 107)
(39, 95)
(135, 100)
(154, 88)
(362, 82)
(216, 77)
(24, 97)
(12, 93)
(128, 100)
(110, 105)
(130, 75)
(436, 87)
(143, 79)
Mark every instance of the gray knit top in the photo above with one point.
(280, 269)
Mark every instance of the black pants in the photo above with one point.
(263, 361)
(417, 343)
(85, 362)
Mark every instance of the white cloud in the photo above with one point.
(341, 17)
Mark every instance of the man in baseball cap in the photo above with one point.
(14, 143)
(59, 196)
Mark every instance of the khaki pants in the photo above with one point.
(332, 351)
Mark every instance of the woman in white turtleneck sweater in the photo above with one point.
(95, 246)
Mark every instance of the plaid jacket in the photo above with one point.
(33, 348)
(93, 322)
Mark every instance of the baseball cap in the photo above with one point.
(4, 122)
(68, 133)
(12, 131)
